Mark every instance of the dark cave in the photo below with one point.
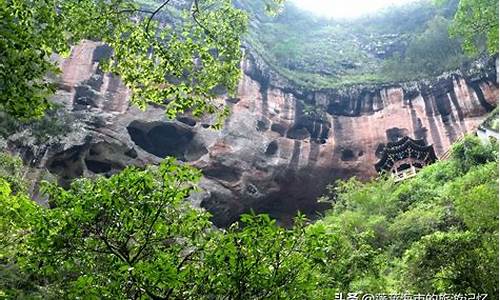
(165, 139)
(224, 173)
(347, 155)
(272, 148)
(97, 166)
(66, 165)
(262, 125)
(394, 134)
(298, 132)
(278, 128)
(187, 120)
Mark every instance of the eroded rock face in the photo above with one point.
(272, 155)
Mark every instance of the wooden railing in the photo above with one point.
(405, 174)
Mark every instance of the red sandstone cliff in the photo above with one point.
(270, 156)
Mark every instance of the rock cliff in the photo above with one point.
(279, 148)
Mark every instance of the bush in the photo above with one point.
(471, 152)
(12, 172)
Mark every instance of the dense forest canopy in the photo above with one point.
(133, 235)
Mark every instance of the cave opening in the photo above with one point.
(272, 148)
(187, 120)
(347, 155)
(280, 129)
(98, 166)
(298, 132)
(166, 139)
(262, 125)
(67, 165)
(395, 134)
(223, 173)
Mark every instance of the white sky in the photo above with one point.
(344, 8)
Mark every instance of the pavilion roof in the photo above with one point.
(403, 149)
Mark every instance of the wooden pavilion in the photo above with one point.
(404, 158)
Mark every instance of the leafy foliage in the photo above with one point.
(446, 262)
(127, 236)
(54, 124)
(180, 67)
(27, 30)
(476, 21)
(12, 172)
(261, 260)
(17, 212)
(471, 152)
(133, 235)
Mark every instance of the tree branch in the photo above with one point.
(195, 11)
(154, 13)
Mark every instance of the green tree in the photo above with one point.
(451, 262)
(133, 236)
(180, 67)
(410, 226)
(130, 236)
(257, 259)
(471, 152)
(17, 213)
(30, 32)
(433, 51)
(429, 53)
(475, 197)
(359, 221)
(476, 22)
(436, 232)
(12, 172)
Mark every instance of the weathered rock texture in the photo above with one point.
(271, 156)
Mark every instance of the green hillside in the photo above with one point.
(397, 44)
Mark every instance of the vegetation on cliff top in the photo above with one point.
(402, 43)
(132, 236)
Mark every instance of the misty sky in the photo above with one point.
(344, 8)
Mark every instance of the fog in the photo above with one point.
(345, 8)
